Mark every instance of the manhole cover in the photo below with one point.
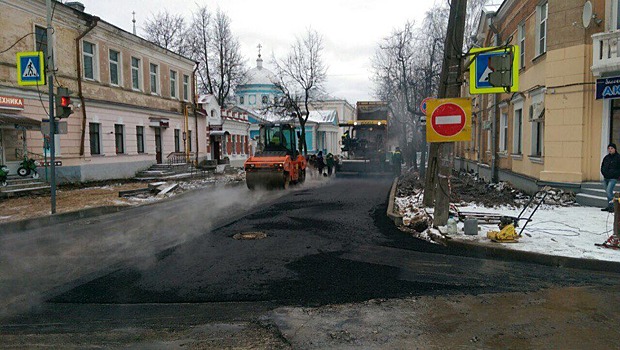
(250, 235)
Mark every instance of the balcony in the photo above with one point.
(605, 53)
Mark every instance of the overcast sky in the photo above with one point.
(352, 29)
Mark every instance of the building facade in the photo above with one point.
(553, 130)
(228, 136)
(133, 98)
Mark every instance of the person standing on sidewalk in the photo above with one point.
(610, 168)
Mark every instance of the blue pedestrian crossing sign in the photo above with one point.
(30, 68)
(482, 68)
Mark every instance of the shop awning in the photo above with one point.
(218, 133)
(19, 120)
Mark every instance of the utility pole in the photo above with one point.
(441, 157)
(52, 117)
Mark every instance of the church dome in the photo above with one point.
(260, 75)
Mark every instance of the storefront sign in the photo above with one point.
(608, 88)
(215, 128)
(10, 102)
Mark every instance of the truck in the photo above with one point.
(364, 142)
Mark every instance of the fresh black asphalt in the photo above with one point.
(330, 243)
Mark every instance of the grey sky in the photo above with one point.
(352, 29)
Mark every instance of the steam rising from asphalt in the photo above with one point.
(40, 263)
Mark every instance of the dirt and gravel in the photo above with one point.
(73, 197)
(468, 188)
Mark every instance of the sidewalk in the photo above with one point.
(557, 235)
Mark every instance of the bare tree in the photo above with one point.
(301, 76)
(226, 62)
(200, 41)
(168, 31)
(221, 65)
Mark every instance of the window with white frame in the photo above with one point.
(517, 130)
(503, 132)
(521, 39)
(140, 138)
(119, 138)
(94, 133)
(537, 120)
(173, 84)
(136, 73)
(89, 59)
(115, 71)
(542, 13)
(185, 87)
(154, 72)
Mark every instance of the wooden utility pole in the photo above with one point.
(441, 155)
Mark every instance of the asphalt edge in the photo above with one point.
(397, 218)
(478, 250)
(33, 223)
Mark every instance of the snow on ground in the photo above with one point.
(554, 230)
(569, 231)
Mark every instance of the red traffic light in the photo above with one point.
(65, 101)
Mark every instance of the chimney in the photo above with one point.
(76, 5)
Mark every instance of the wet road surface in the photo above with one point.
(325, 244)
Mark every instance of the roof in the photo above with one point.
(318, 117)
(260, 75)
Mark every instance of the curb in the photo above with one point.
(478, 250)
(29, 224)
(397, 218)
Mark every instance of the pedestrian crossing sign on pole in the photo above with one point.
(486, 63)
(30, 68)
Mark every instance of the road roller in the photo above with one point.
(277, 162)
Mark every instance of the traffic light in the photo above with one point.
(502, 70)
(63, 103)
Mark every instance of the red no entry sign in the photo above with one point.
(448, 120)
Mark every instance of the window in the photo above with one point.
(114, 67)
(40, 35)
(517, 131)
(154, 69)
(234, 145)
(185, 87)
(173, 84)
(241, 100)
(136, 73)
(119, 137)
(252, 99)
(503, 132)
(177, 140)
(94, 132)
(89, 58)
(265, 99)
(542, 13)
(140, 138)
(537, 138)
(189, 139)
(521, 38)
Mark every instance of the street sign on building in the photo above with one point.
(491, 67)
(608, 88)
(448, 120)
(30, 68)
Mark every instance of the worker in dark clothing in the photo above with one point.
(330, 163)
(610, 168)
(320, 162)
(397, 160)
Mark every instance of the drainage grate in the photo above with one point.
(250, 235)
